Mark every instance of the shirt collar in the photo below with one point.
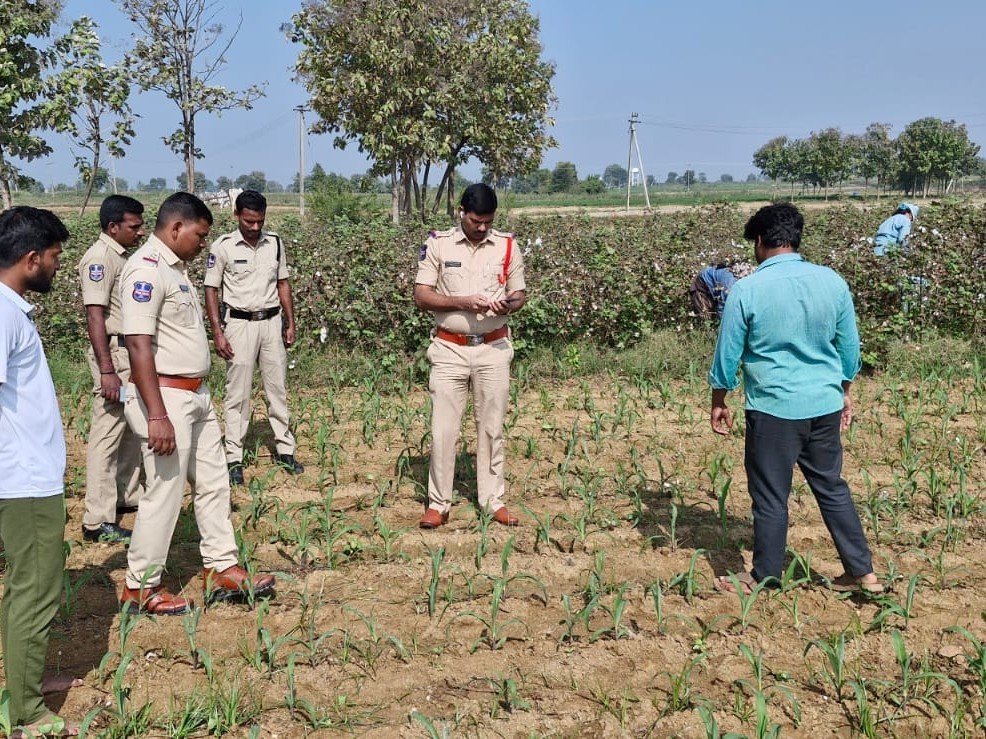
(460, 236)
(17, 300)
(163, 250)
(112, 243)
(778, 258)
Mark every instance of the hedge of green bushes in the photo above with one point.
(608, 280)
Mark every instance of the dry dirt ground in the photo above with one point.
(598, 620)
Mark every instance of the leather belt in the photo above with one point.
(191, 384)
(254, 315)
(471, 339)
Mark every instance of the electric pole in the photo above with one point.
(635, 146)
(301, 160)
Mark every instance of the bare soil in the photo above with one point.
(367, 654)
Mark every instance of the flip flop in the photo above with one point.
(51, 725)
(724, 583)
(848, 584)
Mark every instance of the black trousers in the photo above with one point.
(773, 446)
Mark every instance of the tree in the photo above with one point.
(201, 182)
(564, 177)
(94, 180)
(688, 178)
(672, 178)
(752, 177)
(725, 178)
(256, 180)
(29, 99)
(933, 151)
(615, 176)
(877, 157)
(92, 91)
(274, 186)
(157, 184)
(594, 185)
(773, 159)
(174, 57)
(224, 183)
(420, 82)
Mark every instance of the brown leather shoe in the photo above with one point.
(433, 519)
(156, 601)
(235, 583)
(503, 516)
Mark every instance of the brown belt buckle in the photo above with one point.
(258, 315)
(474, 339)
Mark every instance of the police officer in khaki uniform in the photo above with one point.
(471, 278)
(170, 408)
(113, 456)
(254, 325)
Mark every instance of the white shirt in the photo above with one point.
(32, 442)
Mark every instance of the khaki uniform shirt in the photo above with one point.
(99, 273)
(247, 274)
(451, 264)
(159, 300)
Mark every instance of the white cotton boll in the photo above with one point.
(537, 241)
(923, 229)
(323, 334)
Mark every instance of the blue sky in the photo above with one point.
(711, 80)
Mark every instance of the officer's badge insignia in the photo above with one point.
(96, 272)
(184, 288)
(152, 258)
(423, 253)
(211, 262)
(142, 291)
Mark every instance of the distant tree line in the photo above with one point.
(928, 154)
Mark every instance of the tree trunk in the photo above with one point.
(424, 190)
(395, 195)
(5, 191)
(450, 202)
(92, 181)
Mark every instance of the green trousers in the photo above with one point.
(32, 531)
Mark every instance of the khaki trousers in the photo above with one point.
(32, 531)
(256, 342)
(453, 368)
(197, 459)
(113, 454)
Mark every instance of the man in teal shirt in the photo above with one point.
(791, 327)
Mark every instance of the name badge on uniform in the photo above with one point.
(142, 291)
(453, 264)
(239, 261)
(184, 288)
(211, 261)
(424, 252)
(96, 272)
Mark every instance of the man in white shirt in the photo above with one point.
(32, 468)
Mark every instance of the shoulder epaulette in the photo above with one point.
(503, 234)
(439, 234)
(153, 257)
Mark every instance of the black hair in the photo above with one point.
(24, 229)
(115, 207)
(479, 199)
(183, 206)
(251, 200)
(776, 225)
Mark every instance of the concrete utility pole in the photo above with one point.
(634, 146)
(301, 160)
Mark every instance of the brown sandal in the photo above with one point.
(725, 584)
(846, 583)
